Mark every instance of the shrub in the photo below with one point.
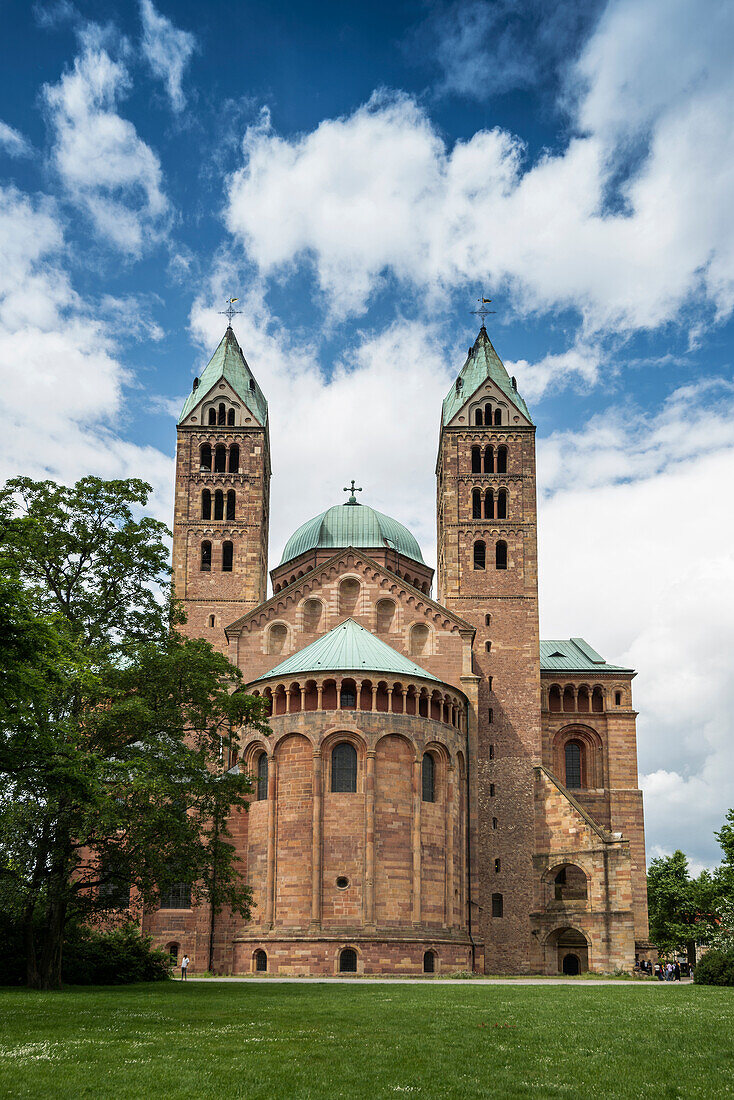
(117, 957)
(715, 968)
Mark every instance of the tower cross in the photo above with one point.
(230, 311)
(351, 489)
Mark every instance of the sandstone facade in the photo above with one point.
(440, 791)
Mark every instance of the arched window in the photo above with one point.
(498, 416)
(497, 866)
(348, 596)
(502, 504)
(429, 778)
(172, 950)
(205, 457)
(221, 413)
(597, 700)
(230, 418)
(494, 823)
(348, 961)
(429, 963)
(212, 415)
(476, 503)
(261, 961)
(487, 620)
(234, 459)
(554, 698)
(489, 460)
(206, 556)
(478, 418)
(219, 504)
(573, 764)
(220, 458)
(419, 639)
(212, 620)
(230, 503)
(500, 555)
(206, 504)
(502, 460)
(344, 768)
(487, 414)
(489, 504)
(476, 460)
(348, 695)
(312, 611)
(277, 636)
(497, 905)
(480, 554)
(385, 616)
(227, 557)
(262, 777)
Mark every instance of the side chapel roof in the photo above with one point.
(574, 655)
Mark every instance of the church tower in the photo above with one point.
(220, 530)
(487, 574)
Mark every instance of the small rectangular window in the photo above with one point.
(490, 716)
(489, 682)
(497, 905)
(497, 866)
(618, 698)
(491, 752)
(491, 790)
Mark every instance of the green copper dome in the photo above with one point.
(351, 524)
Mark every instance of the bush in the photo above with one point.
(716, 967)
(116, 957)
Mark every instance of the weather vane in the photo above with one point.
(483, 311)
(230, 311)
(351, 489)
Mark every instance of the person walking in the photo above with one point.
(676, 971)
(184, 967)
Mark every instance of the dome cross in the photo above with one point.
(352, 489)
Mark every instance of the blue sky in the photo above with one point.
(357, 175)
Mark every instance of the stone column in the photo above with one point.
(369, 846)
(449, 847)
(374, 695)
(288, 699)
(416, 842)
(303, 698)
(320, 696)
(316, 841)
(270, 874)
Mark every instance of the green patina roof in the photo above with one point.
(574, 655)
(348, 648)
(351, 525)
(228, 362)
(482, 363)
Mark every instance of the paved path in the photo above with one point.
(449, 981)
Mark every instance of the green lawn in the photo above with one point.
(211, 1040)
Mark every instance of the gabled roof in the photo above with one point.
(574, 655)
(348, 648)
(482, 363)
(229, 363)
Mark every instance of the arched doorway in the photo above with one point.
(566, 952)
(571, 963)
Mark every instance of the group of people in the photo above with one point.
(663, 971)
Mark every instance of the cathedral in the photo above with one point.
(441, 791)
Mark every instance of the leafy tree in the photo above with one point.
(114, 728)
(724, 874)
(672, 903)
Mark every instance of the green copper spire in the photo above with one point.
(229, 363)
(482, 363)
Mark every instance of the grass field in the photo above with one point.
(207, 1040)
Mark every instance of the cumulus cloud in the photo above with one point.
(168, 50)
(61, 383)
(103, 164)
(13, 142)
(634, 556)
(379, 192)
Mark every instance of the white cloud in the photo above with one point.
(61, 384)
(167, 50)
(105, 167)
(379, 192)
(635, 556)
(13, 142)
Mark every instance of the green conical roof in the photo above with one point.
(348, 648)
(482, 363)
(228, 362)
(351, 524)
